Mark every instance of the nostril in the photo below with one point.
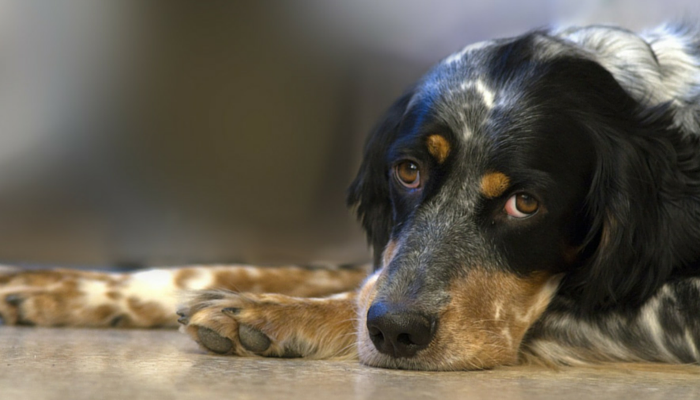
(376, 334)
(405, 339)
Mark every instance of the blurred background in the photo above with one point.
(179, 132)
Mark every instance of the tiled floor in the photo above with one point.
(104, 364)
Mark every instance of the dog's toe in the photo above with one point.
(213, 341)
(252, 339)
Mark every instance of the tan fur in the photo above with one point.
(438, 147)
(494, 184)
(490, 312)
(114, 295)
(481, 327)
(150, 312)
(184, 275)
(301, 327)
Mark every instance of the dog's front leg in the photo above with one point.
(272, 325)
(148, 298)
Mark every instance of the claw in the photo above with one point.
(184, 318)
(231, 311)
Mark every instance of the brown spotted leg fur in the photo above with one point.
(148, 298)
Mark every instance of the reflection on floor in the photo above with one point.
(104, 364)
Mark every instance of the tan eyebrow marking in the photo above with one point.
(493, 184)
(438, 147)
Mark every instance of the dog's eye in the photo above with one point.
(408, 173)
(521, 205)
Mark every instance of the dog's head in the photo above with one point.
(513, 171)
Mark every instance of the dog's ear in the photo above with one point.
(369, 192)
(640, 210)
(638, 217)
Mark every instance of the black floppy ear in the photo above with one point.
(641, 211)
(369, 192)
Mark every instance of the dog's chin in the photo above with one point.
(458, 349)
(428, 360)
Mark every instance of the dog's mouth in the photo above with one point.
(482, 326)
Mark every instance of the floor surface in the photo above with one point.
(40, 363)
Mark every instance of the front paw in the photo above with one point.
(236, 324)
(33, 298)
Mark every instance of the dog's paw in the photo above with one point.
(41, 298)
(269, 325)
(238, 324)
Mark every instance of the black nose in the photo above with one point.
(398, 332)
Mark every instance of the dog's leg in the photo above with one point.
(146, 298)
(272, 325)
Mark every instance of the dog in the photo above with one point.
(531, 199)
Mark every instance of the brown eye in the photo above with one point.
(408, 173)
(521, 205)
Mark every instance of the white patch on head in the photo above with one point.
(486, 94)
(479, 86)
(467, 133)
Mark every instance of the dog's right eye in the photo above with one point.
(521, 206)
(408, 174)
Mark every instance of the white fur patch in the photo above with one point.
(94, 292)
(202, 279)
(486, 94)
(152, 286)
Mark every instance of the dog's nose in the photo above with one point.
(398, 332)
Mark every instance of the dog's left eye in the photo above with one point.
(521, 205)
(408, 174)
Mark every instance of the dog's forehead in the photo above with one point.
(458, 89)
